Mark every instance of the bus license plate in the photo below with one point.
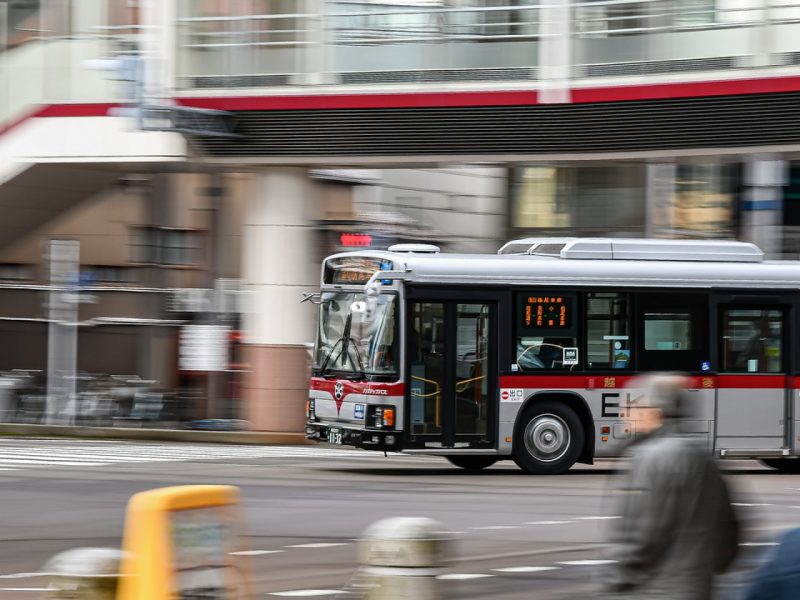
(334, 436)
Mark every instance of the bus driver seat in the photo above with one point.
(550, 352)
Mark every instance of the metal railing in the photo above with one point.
(360, 42)
(436, 42)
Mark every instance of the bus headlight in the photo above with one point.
(310, 412)
(381, 417)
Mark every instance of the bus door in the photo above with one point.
(754, 386)
(452, 373)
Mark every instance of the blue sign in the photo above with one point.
(358, 411)
(706, 366)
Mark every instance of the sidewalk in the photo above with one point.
(137, 433)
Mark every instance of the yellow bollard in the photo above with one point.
(179, 542)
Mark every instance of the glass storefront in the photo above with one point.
(698, 202)
(587, 200)
(627, 199)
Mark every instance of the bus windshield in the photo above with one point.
(348, 342)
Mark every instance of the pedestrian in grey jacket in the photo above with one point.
(678, 528)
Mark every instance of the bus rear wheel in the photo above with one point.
(549, 439)
(472, 463)
(784, 465)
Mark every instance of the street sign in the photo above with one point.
(204, 347)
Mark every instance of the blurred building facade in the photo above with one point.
(248, 139)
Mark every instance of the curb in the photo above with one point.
(172, 435)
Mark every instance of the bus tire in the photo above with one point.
(549, 438)
(472, 463)
(784, 465)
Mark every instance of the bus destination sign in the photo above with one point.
(546, 312)
(354, 270)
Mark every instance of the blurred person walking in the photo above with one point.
(779, 577)
(678, 528)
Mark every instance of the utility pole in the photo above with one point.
(62, 337)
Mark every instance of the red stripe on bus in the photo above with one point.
(358, 387)
(590, 382)
(752, 381)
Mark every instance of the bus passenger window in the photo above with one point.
(752, 340)
(667, 331)
(608, 341)
(546, 327)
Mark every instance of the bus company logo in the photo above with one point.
(375, 392)
(338, 390)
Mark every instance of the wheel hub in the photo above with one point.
(547, 437)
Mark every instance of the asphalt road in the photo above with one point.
(518, 536)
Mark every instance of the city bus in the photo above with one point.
(533, 354)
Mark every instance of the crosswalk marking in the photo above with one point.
(305, 593)
(524, 569)
(317, 545)
(37, 453)
(587, 562)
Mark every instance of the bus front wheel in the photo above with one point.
(472, 463)
(549, 439)
(784, 465)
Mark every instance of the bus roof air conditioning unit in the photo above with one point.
(415, 248)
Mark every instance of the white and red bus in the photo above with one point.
(529, 354)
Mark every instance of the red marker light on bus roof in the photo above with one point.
(356, 240)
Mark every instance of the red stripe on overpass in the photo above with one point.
(441, 99)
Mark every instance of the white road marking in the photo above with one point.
(599, 518)
(319, 545)
(24, 589)
(305, 593)
(491, 527)
(44, 463)
(751, 504)
(42, 453)
(760, 544)
(463, 576)
(548, 522)
(21, 575)
(255, 552)
(577, 563)
(525, 569)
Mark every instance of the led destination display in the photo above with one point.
(546, 312)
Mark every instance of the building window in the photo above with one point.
(110, 274)
(166, 246)
(16, 272)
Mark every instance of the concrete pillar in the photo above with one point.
(762, 203)
(555, 56)
(279, 263)
(159, 48)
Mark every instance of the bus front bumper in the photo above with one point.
(360, 438)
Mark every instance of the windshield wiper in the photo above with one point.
(345, 341)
